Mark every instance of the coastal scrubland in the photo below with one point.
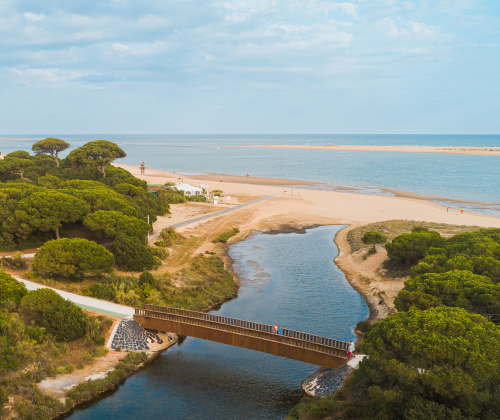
(87, 221)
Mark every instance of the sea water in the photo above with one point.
(287, 279)
(461, 177)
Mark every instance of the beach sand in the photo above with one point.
(487, 151)
(310, 208)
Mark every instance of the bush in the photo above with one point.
(411, 247)
(3, 397)
(93, 328)
(147, 278)
(36, 302)
(161, 253)
(223, 237)
(101, 291)
(16, 262)
(373, 237)
(11, 289)
(161, 244)
(364, 326)
(72, 258)
(65, 320)
(170, 236)
(132, 255)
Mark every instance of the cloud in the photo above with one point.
(120, 47)
(34, 16)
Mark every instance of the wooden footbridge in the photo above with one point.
(295, 345)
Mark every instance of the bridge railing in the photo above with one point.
(253, 329)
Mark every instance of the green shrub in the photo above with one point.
(161, 253)
(223, 237)
(132, 255)
(101, 291)
(3, 397)
(100, 341)
(373, 237)
(161, 244)
(364, 326)
(147, 278)
(61, 370)
(93, 328)
(11, 289)
(322, 409)
(36, 302)
(411, 247)
(170, 236)
(16, 262)
(72, 258)
(65, 320)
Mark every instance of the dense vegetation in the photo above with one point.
(439, 356)
(42, 335)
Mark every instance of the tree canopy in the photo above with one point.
(132, 255)
(102, 199)
(10, 288)
(373, 237)
(16, 166)
(72, 258)
(98, 153)
(410, 247)
(112, 223)
(456, 288)
(446, 358)
(50, 146)
(45, 211)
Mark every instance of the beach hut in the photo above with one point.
(189, 189)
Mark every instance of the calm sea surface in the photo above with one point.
(469, 178)
(288, 279)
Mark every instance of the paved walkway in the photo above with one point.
(86, 302)
(114, 309)
(217, 214)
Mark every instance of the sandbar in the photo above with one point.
(445, 150)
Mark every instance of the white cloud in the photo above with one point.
(120, 47)
(348, 8)
(34, 16)
(422, 29)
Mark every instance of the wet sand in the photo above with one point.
(486, 151)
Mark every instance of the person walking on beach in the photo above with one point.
(462, 210)
(350, 350)
(447, 209)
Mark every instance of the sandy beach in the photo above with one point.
(304, 207)
(486, 151)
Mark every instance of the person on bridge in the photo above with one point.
(275, 329)
(350, 349)
(280, 331)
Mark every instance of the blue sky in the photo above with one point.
(249, 66)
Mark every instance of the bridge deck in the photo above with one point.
(296, 345)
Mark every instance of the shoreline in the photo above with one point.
(446, 150)
(292, 184)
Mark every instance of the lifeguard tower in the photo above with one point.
(142, 168)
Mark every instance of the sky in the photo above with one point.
(249, 66)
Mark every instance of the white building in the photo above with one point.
(189, 189)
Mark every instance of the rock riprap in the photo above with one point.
(131, 336)
(326, 381)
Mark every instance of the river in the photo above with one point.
(288, 279)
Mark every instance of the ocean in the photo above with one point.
(459, 177)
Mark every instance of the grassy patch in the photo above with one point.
(223, 237)
(393, 228)
(88, 390)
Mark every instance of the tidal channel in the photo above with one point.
(288, 279)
